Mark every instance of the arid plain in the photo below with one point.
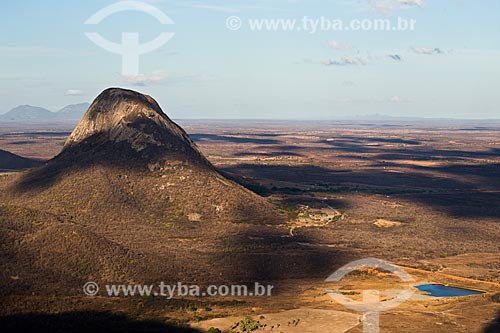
(424, 195)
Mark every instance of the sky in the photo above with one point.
(448, 66)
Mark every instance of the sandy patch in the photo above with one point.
(381, 223)
(302, 320)
(420, 163)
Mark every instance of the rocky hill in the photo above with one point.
(129, 198)
(127, 159)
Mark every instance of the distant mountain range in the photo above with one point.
(28, 113)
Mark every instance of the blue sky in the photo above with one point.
(449, 66)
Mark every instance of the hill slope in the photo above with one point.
(126, 158)
(129, 198)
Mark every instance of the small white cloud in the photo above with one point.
(334, 44)
(345, 61)
(338, 45)
(143, 79)
(398, 99)
(419, 3)
(73, 92)
(387, 7)
(427, 50)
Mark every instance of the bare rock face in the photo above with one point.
(126, 124)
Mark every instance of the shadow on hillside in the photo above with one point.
(10, 161)
(494, 326)
(96, 150)
(84, 322)
(259, 254)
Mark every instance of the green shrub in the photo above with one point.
(246, 325)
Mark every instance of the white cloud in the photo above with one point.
(334, 44)
(73, 92)
(398, 99)
(419, 3)
(338, 45)
(143, 79)
(345, 61)
(387, 7)
(427, 50)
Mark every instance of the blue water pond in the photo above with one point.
(439, 290)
